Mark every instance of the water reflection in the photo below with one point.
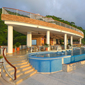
(75, 51)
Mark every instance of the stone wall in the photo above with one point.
(72, 66)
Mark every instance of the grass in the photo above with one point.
(1, 57)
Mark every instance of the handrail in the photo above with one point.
(41, 17)
(10, 64)
(21, 10)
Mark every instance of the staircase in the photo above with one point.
(24, 69)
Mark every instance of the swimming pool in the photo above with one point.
(52, 61)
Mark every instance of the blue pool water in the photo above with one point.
(52, 61)
(75, 51)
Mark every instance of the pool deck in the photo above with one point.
(76, 77)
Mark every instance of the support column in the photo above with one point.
(48, 39)
(65, 41)
(71, 41)
(29, 39)
(80, 41)
(10, 39)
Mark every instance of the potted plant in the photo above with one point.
(17, 45)
(62, 45)
(13, 48)
(46, 47)
(69, 44)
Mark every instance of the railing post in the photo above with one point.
(60, 23)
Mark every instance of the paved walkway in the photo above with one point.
(76, 77)
(3, 82)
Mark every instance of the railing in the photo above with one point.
(18, 12)
(1, 49)
(5, 60)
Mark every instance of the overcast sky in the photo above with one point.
(71, 10)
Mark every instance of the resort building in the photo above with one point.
(43, 34)
(39, 29)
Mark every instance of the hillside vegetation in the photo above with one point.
(17, 37)
(21, 38)
(66, 22)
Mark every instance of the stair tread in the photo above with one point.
(25, 75)
(18, 62)
(17, 65)
(24, 68)
(23, 72)
(21, 69)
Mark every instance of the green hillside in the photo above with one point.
(21, 38)
(66, 22)
(17, 37)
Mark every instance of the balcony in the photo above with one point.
(18, 12)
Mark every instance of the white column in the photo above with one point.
(65, 41)
(48, 39)
(10, 39)
(29, 39)
(71, 41)
(80, 41)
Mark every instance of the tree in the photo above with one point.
(72, 23)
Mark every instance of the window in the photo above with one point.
(34, 42)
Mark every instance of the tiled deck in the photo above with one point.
(76, 77)
(18, 53)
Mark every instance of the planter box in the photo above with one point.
(13, 50)
(18, 49)
(46, 48)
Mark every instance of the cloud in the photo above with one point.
(71, 10)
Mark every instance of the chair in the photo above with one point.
(59, 47)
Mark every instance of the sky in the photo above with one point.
(70, 10)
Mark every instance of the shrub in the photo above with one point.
(14, 46)
(18, 44)
(46, 45)
(1, 57)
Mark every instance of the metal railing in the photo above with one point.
(18, 12)
(7, 62)
(1, 49)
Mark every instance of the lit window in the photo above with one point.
(34, 42)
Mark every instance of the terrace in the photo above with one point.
(47, 35)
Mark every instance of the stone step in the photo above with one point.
(16, 59)
(24, 72)
(14, 63)
(19, 56)
(7, 78)
(18, 65)
(24, 69)
(19, 75)
(19, 61)
(21, 70)
(23, 77)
